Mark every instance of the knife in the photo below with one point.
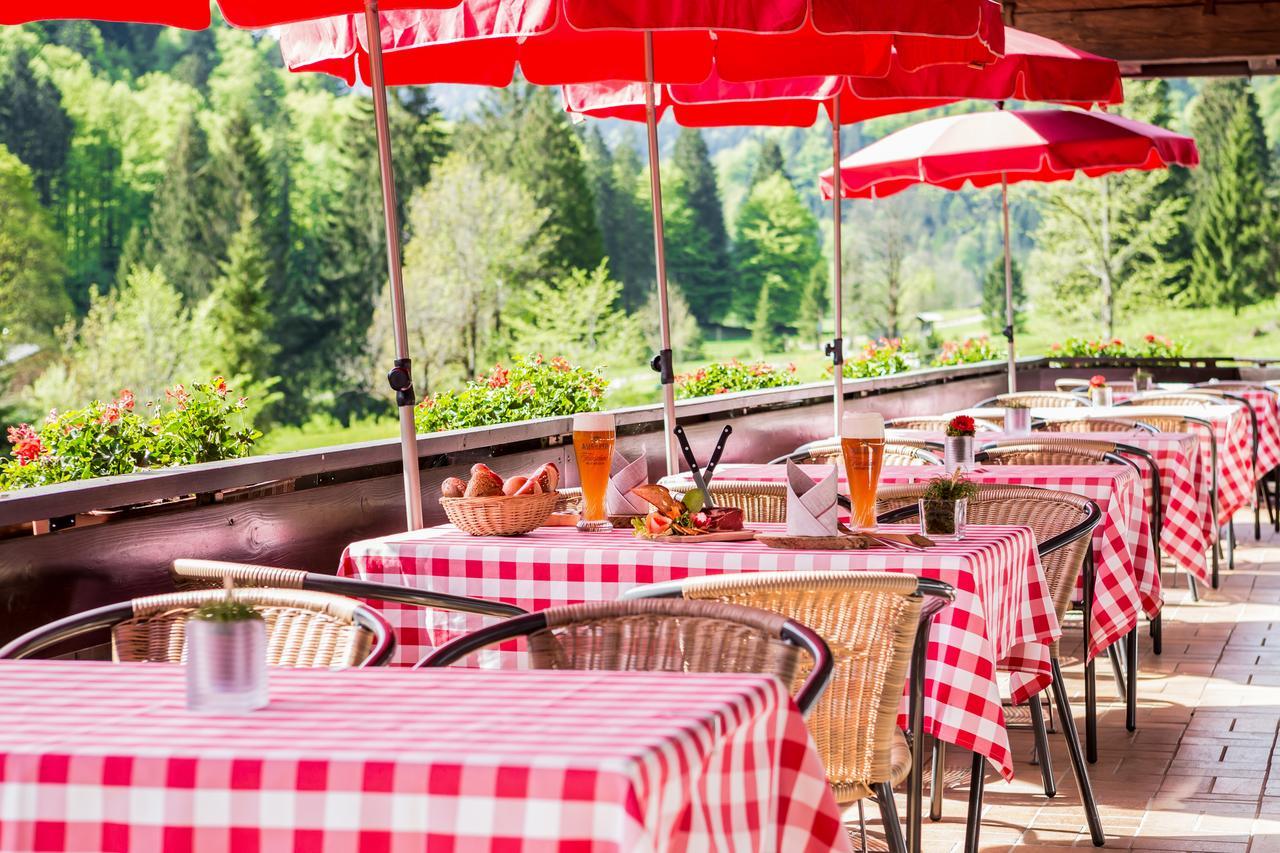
(715, 454)
(693, 466)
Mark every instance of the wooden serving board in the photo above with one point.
(842, 542)
(722, 536)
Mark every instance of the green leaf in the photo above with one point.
(637, 524)
(693, 500)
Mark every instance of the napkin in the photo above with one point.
(623, 477)
(811, 505)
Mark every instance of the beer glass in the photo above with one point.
(593, 440)
(862, 445)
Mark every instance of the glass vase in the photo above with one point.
(1017, 421)
(1104, 396)
(943, 519)
(226, 666)
(957, 453)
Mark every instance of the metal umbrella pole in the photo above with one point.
(835, 349)
(400, 376)
(1008, 284)
(662, 362)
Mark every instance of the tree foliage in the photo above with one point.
(697, 242)
(993, 296)
(32, 301)
(622, 215)
(578, 318)
(776, 241)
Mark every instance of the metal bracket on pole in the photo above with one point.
(1007, 331)
(664, 365)
(400, 378)
(835, 350)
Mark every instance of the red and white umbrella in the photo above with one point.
(195, 14)
(1032, 67)
(1007, 146)
(556, 42)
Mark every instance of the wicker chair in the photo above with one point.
(1095, 425)
(871, 621)
(1063, 524)
(760, 502)
(304, 628)
(208, 574)
(936, 424)
(660, 636)
(1035, 399)
(897, 451)
(1072, 386)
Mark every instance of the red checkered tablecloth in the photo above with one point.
(1002, 617)
(1127, 575)
(1264, 407)
(98, 756)
(1184, 493)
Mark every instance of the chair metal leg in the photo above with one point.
(915, 784)
(1043, 758)
(1231, 545)
(973, 826)
(1077, 764)
(1257, 513)
(862, 827)
(1217, 556)
(1091, 711)
(889, 818)
(1157, 634)
(1117, 668)
(1191, 585)
(938, 781)
(1131, 680)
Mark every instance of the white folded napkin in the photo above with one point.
(623, 477)
(811, 505)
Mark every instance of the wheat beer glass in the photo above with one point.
(593, 440)
(862, 445)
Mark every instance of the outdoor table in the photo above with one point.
(1002, 617)
(1187, 533)
(1265, 408)
(1231, 428)
(1126, 573)
(100, 756)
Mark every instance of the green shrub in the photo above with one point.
(204, 424)
(968, 351)
(531, 388)
(725, 377)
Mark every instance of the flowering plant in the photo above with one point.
(1097, 381)
(533, 387)
(203, 424)
(968, 351)
(961, 425)
(1158, 346)
(1152, 346)
(879, 358)
(733, 375)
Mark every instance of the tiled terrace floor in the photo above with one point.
(1197, 774)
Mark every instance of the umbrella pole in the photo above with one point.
(401, 376)
(835, 349)
(663, 362)
(1008, 284)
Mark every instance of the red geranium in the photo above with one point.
(961, 425)
(27, 446)
(1098, 381)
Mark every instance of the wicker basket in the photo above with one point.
(504, 515)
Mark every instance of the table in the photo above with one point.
(99, 756)
(1184, 493)
(1232, 432)
(1127, 575)
(1002, 616)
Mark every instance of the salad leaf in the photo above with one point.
(693, 500)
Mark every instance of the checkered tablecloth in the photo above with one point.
(1002, 617)
(1264, 407)
(1184, 491)
(104, 757)
(1127, 575)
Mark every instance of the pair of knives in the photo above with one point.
(702, 477)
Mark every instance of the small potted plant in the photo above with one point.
(1017, 417)
(226, 657)
(957, 451)
(945, 505)
(1142, 379)
(1100, 393)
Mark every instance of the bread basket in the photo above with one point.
(503, 515)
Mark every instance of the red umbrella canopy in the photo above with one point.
(1024, 145)
(1033, 68)
(569, 41)
(194, 14)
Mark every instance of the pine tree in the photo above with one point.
(632, 257)
(769, 162)
(1230, 262)
(32, 301)
(776, 240)
(33, 124)
(239, 319)
(815, 304)
(696, 241)
(993, 296)
(184, 235)
(764, 328)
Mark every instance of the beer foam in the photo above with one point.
(862, 425)
(593, 421)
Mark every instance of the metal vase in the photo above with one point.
(1017, 421)
(1104, 396)
(226, 666)
(957, 453)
